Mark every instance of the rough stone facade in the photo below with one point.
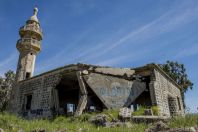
(167, 95)
(164, 92)
(78, 88)
(111, 90)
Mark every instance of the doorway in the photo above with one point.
(68, 94)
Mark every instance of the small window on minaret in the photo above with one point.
(27, 75)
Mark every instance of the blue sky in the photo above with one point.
(119, 33)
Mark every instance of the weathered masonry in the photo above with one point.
(84, 86)
(80, 87)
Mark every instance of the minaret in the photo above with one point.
(29, 45)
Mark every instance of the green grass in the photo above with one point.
(155, 110)
(141, 110)
(112, 113)
(11, 123)
(182, 122)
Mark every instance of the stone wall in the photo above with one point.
(166, 95)
(26, 64)
(40, 88)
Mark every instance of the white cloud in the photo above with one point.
(186, 52)
(165, 23)
(8, 63)
(159, 26)
(63, 56)
(135, 54)
(170, 21)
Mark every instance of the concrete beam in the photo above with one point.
(83, 94)
(116, 71)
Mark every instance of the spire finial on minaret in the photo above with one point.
(35, 10)
(34, 17)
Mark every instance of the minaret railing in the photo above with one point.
(32, 28)
(29, 41)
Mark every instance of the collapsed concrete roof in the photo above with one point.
(127, 73)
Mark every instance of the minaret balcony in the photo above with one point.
(28, 44)
(31, 28)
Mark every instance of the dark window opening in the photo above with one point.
(172, 101)
(178, 100)
(27, 75)
(29, 101)
(31, 53)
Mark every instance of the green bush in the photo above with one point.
(84, 117)
(155, 110)
(112, 113)
(139, 112)
(60, 119)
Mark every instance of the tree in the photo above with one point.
(6, 84)
(178, 73)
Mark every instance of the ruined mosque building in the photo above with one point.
(80, 88)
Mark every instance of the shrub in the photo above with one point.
(155, 110)
(139, 112)
(112, 113)
(60, 119)
(84, 117)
